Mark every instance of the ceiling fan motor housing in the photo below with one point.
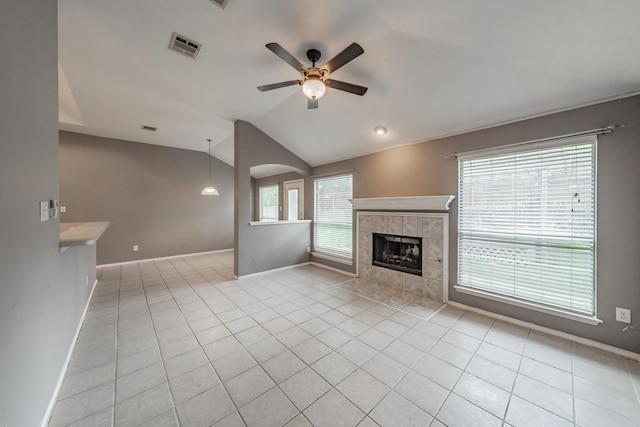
(313, 55)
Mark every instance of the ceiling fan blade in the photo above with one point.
(272, 86)
(347, 87)
(312, 104)
(285, 56)
(350, 53)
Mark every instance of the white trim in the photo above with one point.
(595, 344)
(518, 147)
(259, 273)
(529, 305)
(425, 203)
(396, 213)
(56, 392)
(260, 188)
(161, 258)
(299, 221)
(445, 258)
(620, 96)
(332, 258)
(294, 184)
(327, 267)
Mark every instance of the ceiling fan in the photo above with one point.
(314, 79)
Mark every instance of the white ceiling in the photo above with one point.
(433, 68)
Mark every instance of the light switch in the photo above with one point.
(44, 211)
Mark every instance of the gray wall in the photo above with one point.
(263, 247)
(423, 171)
(151, 195)
(42, 292)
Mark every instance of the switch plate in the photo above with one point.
(44, 211)
(135, 248)
(63, 209)
(623, 315)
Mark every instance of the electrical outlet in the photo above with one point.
(308, 249)
(63, 209)
(623, 315)
(135, 248)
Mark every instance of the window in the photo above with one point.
(527, 225)
(269, 203)
(294, 200)
(333, 227)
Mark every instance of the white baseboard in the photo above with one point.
(585, 341)
(161, 258)
(56, 391)
(260, 273)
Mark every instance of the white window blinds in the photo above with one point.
(333, 218)
(269, 203)
(527, 225)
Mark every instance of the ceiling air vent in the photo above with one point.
(221, 3)
(184, 45)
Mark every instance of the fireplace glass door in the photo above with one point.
(400, 253)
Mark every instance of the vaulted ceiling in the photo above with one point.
(433, 68)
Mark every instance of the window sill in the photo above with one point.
(331, 258)
(279, 222)
(530, 305)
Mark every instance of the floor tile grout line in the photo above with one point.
(464, 370)
(237, 409)
(307, 366)
(633, 383)
(84, 372)
(442, 306)
(529, 340)
(162, 360)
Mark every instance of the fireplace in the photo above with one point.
(432, 227)
(400, 253)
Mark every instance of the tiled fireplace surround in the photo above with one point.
(434, 230)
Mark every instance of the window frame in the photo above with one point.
(261, 216)
(333, 254)
(296, 184)
(531, 303)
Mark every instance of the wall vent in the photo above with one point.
(149, 128)
(184, 45)
(221, 3)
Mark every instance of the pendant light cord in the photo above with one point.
(209, 161)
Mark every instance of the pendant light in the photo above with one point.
(209, 190)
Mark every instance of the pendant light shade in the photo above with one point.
(209, 190)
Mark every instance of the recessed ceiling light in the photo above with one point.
(380, 130)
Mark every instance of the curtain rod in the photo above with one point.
(598, 131)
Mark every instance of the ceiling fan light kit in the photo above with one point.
(314, 80)
(314, 88)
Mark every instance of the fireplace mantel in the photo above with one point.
(414, 203)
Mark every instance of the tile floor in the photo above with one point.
(176, 342)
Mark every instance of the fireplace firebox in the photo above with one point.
(400, 253)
